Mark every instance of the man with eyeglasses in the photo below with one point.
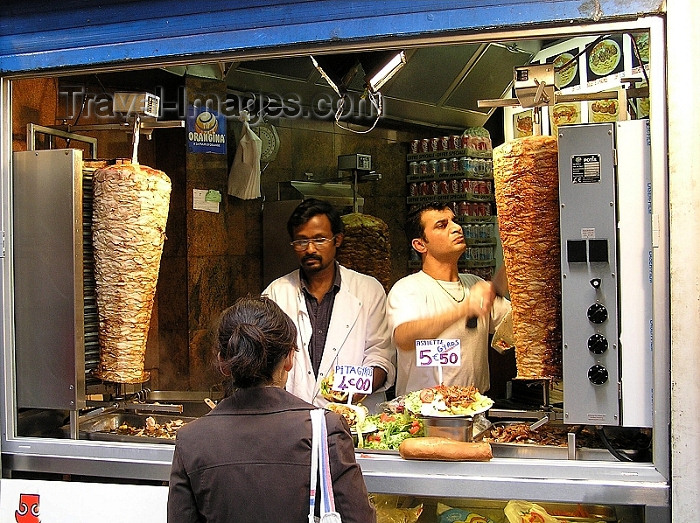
(340, 314)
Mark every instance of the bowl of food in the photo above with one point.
(565, 76)
(604, 57)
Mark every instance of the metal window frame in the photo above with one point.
(616, 483)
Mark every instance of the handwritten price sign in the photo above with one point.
(353, 379)
(443, 353)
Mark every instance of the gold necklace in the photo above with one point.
(464, 290)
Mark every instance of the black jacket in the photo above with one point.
(249, 459)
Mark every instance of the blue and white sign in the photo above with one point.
(206, 130)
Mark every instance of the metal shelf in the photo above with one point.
(447, 153)
(451, 175)
(453, 197)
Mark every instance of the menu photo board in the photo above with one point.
(569, 76)
(640, 46)
(604, 110)
(523, 123)
(643, 104)
(605, 58)
(564, 114)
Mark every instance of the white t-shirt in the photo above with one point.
(419, 296)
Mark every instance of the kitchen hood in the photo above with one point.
(438, 86)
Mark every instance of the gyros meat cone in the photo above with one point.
(130, 211)
(366, 247)
(527, 199)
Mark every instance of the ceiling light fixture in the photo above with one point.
(337, 70)
(377, 73)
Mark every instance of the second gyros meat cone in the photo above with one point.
(130, 211)
(526, 179)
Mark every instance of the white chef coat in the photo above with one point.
(357, 334)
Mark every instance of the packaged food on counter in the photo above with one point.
(525, 512)
(447, 514)
(388, 510)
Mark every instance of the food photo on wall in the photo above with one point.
(641, 41)
(603, 111)
(522, 124)
(569, 76)
(564, 114)
(605, 58)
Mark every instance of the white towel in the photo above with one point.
(244, 177)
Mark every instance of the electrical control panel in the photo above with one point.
(588, 225)
(605, 226)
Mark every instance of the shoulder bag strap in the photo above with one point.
(320, 464)
(326, 480)
(316, 417)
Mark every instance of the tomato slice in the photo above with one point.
(414, 429)
(385, 418)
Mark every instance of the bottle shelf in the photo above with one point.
(454, 197)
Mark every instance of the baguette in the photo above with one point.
(444, 449)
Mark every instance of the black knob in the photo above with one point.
(597, 374)
(597, 344)
(597, 313)
(595, 283)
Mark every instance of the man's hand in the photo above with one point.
(479, 302)
(378, 379)
(481, 297)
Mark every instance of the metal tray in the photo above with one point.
(103, 427)
(192, 402)
(540, 451)
(595, 513)
(460, 428)
(524, 450)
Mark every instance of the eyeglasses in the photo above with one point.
(302, 245)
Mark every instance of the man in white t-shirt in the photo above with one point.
(438, 302)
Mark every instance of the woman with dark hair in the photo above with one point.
(249, 459)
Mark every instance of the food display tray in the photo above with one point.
(549, 451)
(524, 450)
(103, 427)
(564, 511)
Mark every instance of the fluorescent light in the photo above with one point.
(337, 70)
(378, 79)
(325, 76)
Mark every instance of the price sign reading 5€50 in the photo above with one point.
(443, 353)
(353, 379)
